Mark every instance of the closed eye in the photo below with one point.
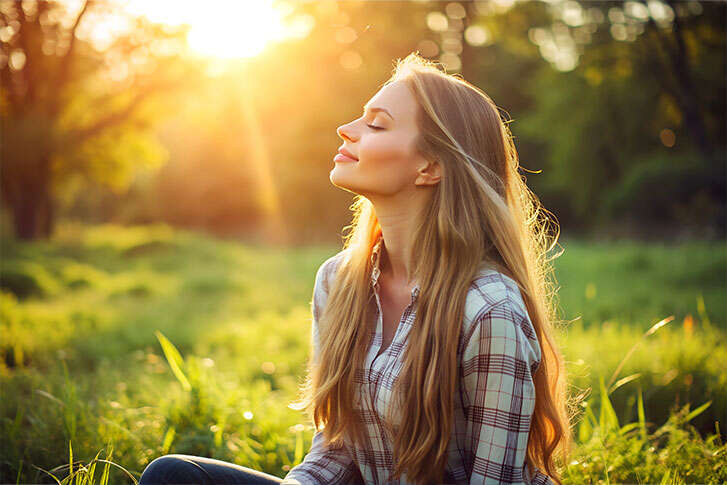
(375, 127)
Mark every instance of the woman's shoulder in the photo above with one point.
(327, 270)
(491, 288)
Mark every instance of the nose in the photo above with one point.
(345, 133)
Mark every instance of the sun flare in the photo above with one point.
(219, 28)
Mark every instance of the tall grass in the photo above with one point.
(148, 341)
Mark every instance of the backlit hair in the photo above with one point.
(480, 211)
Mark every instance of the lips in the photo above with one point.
(345, 152)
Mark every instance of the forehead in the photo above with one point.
(398, 99)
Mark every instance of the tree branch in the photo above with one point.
(65, 62)
(650, 53)
(662, 38)
(681, 48)
(25, 73)
(687, 99)
(82, 134)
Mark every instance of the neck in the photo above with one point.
(397, 226)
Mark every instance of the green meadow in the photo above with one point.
(121, 344)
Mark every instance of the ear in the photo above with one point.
(429, 173)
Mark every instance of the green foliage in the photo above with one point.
(80, 474)
(207, 364)
(612, 136)
(27, 278)
(669, 188)
(663, 279)
(673, 453)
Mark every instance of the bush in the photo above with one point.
(25, 279)
(676, 189)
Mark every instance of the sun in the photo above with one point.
(225, 29)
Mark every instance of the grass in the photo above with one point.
(144, 341)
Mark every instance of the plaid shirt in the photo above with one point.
(498, 353)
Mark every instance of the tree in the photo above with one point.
(627, 79)
(673, 36)
(66, 99)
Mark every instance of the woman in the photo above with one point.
(433, 360)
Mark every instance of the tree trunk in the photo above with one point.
(32, 208)
(676, 63)
(48, 214)
(24, 217)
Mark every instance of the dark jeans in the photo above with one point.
(188, 469)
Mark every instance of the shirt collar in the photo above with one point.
(376, 271)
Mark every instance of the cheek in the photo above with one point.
(388, 164)
(385, 150)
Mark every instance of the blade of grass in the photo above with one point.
(175, 360)
(653, 329)
(608, 419)
(50, 396)
(702, 311)
(697, 411)
(168, 438)
(719, 436)
(92, 467)
(627, 427)
(622, 381)
(298, 446)
(69, 411)
(44, 471)
(642, 414)
(70, 459)
(105, 474)
(122, 468)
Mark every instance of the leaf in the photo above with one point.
(176, 363)
(608, 419)
(168, 438)
(697, 411)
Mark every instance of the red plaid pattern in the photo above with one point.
(498, 354)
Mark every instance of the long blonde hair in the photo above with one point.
(480, 211)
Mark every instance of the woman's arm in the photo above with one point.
(323, 464)
(499, 394)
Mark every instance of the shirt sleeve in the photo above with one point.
(323, 464)
(500, 355)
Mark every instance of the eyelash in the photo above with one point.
(374, 127)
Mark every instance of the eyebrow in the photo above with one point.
(373, 109)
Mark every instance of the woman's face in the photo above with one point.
(383, 143)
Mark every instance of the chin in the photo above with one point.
(342, 182)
